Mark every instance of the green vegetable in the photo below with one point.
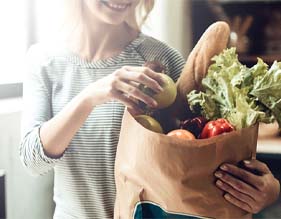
(242, 95)
(268, 90)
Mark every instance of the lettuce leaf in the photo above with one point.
(242, 95)
(268, 90)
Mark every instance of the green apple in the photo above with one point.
(166, 97)
(149, 123)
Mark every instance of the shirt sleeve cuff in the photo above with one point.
(44, 156)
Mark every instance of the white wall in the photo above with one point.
(170, 22)
(27, 197)
(31, 198)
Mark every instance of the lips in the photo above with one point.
(116, 6)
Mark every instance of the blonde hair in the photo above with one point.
(141, 14)
(74, 13)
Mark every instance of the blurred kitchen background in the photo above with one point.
(256, 32)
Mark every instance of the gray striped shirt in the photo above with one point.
(84, 176)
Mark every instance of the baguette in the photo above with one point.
(212, 42)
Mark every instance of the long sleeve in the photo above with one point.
(84, 185)
(36, 111)
(174, 62)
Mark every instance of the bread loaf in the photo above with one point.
(212, 42)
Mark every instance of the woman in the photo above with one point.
(75, 97)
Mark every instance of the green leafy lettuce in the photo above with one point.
(242, 95)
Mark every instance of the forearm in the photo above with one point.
(57, 133)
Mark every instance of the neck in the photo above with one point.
(100, 40)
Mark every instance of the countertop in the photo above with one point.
(269, 141)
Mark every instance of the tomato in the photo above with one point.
(181, 133)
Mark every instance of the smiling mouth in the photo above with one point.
(115, 6)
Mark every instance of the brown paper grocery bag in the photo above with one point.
(158, 176)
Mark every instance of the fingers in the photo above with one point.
(240, 204)
(245, 189)
(145, 76)
(238, 195)
(257, 165)
(237, 184)
(127, 80)
(242, 174)
(128, 76)
(134, 109)
(136, 93)
(238, 192)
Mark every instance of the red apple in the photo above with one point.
(181, 133)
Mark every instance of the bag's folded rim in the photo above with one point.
(196, 141)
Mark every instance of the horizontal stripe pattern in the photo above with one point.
(84, 184)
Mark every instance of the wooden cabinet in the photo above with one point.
(255, 26)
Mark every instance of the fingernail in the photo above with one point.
(154, 103)
(247, 162)
(161, 80)
(227, 196)
(224, 167)
(218, 174)
(219, 183)
(160, 89)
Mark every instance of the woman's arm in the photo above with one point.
(249, 191)
(57, 133)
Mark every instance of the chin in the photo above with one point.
(113, 21)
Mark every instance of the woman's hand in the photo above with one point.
(248, 191)
(123, 84)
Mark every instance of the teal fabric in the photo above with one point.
(147, 210)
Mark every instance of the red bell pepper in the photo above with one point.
(216, 127)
